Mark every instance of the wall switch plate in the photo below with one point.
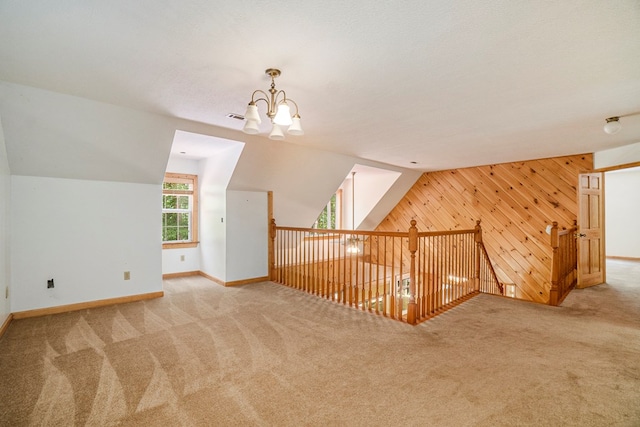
(6, 292)
(181, 257)
(127, 275)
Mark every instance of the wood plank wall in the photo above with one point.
(514, 201)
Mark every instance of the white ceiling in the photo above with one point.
(443, 83)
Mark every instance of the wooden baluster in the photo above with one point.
(470, 264)
(441, 271)
(427, 274)
(413, 247)
(385, 305)
(450, 256)
(285, 254)
(364, 248)
(298, 277)
(392, 291)
(399, 285)
(555, 264)
(343, 259)
(307, 265)
(291, 270)
(364, 276)
(281, 256)
(336, 272)
(298, 242)
(377, 275)
(420, 279)
(478, 249)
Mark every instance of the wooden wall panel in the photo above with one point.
(514, 201)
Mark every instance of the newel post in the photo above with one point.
(478, 238)
(413, 247)
(272, 252)
(555, 260)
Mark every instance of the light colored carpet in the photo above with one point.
(267, 355)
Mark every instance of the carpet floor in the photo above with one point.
(266, 355)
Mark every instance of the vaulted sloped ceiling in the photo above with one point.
(61, 136)
(443, 83)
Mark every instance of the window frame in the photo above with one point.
(338, 213)
(193, 241)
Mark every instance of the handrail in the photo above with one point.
(409, 276)
(375, 233)
(492, 279)
(564, 262)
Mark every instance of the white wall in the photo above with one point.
(247, 235)
(182, 260)
(84, 235)
(214, 176)
(5, 197)
(617, 156)
(622, 213)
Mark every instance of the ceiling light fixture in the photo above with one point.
(613, 125)
(277, 110)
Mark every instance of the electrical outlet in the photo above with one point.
(181, 257)
(127, 275)
(50, 284)
(6, 292)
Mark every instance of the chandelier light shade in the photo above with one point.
(295, 128)
(252, 114)
(613, 125)
(251, 127)
(278, 110)
(276, 132)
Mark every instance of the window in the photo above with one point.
(331, 218)
(179, 210)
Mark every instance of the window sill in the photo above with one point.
(180, 245)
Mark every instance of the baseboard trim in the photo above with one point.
(84, 305)
(181, 274)
(624, 258)
(234, 282)
(213, 279)
(6, 324)
(247, 281)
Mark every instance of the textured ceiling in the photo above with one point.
(443, 83)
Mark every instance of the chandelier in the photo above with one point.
(277, 110)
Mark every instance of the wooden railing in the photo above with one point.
(408, 276)
(564, 263)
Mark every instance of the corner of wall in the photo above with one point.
(5, 198)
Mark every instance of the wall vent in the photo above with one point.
(235, 116)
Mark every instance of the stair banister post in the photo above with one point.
(272, 244)
(478, 239)
(413, 247)
(555, 264)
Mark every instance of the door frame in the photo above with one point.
(603, 171)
